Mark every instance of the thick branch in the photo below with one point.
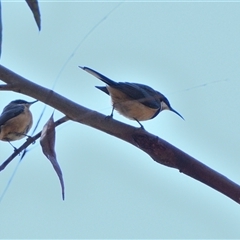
(161, 151)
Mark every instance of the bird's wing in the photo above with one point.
(146, 95)
(10, 112)
(98, 75)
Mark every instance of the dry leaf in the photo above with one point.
(47, 142)
(33, 5)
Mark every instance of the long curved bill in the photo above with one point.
(33, 102)
(171, 109)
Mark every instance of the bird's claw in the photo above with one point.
(30, 138)
(109, 116)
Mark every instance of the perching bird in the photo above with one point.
(15, 120)
(133, 100)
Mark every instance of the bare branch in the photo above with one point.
(158, 149)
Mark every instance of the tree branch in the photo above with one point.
(158, 149)
(29, 141)
(6, 87)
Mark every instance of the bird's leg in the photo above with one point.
(15, 149)
(29, 137)
(111, 115)
(140, 124)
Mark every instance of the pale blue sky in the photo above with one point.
(113, 190)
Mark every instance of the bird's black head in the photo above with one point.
(166, 105)
(20, 101)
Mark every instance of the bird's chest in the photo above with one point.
(17, 127)
(130, 108)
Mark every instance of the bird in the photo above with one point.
(135, 101)
(15, 120)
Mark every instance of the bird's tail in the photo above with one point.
(99, 76)
(104, 89)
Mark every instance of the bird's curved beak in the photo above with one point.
(33, 102)
(171, 109)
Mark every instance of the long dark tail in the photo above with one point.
(99, 76)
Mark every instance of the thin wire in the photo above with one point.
(199, 86)
(54, 84)
(82, 41)
(9, 181)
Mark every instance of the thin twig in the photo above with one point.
(29, 141)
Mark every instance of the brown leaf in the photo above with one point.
(33, 5)
(47, 142)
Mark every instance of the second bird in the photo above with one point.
(133, 100)
(15, 120)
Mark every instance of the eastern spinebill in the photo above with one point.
(15, 120)
(133, 100)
